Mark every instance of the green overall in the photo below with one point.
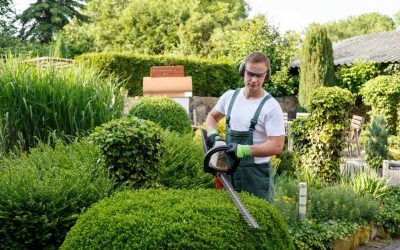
(254, 178)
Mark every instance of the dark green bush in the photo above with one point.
(42, 194)
(182, 163)
(210, 77)
(374, 141)
(131, 148)
(177, 219)
(319, 139)
(165, 112)
(286, 164)
(383, 95)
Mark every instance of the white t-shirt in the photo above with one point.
(270, 122)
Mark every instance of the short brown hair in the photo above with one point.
(256, 57)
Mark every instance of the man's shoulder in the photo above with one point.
(229, 93)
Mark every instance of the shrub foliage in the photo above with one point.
(131, 148)
(383, 95)
(182, 163)
(177, 219)
(165, 112)
(42, 194)
(320, 138)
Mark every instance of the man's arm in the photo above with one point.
(212, 119)
(272, 146)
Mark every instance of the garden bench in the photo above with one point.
(353, 135)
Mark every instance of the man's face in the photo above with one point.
(254, 75)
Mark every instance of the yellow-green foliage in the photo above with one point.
(221, 128)
(177, 219)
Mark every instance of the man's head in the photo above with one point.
(256, 70)
(256, 57)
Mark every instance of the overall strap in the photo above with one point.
(228, 115)
(253, 121)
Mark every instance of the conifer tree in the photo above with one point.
(316, 63)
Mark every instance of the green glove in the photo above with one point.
(239, 150)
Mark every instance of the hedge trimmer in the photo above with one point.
(215, 162)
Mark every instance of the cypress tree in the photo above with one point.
(316, 63)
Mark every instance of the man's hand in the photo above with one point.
(212, 137)
(238, 150)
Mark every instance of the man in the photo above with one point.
(254, 127)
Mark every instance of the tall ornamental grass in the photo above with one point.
(36, 101)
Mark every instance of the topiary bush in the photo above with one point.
(42, 193)
(164, 111)
(131, 148)
(383, 95)
(182, 162)
(319, 139)
(177, 219)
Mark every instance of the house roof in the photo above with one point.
(378, 47)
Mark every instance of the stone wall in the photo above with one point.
(203, 106)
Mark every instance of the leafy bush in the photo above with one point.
(164, 111)
(42, 194)
(352, 76)
(177, 219)
(210, 77)
(319, 139)
(131, 149)
(374, 140)
(383, 95)
(369, 183)
(389, 211)
(38, 101)
(182, 163)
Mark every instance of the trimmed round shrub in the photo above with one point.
(164, 111)
(131, 148)
(182, 163)
(42, 194)
(177, 219)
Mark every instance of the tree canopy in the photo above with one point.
(153, 26)
(359, 25)
(42, 19)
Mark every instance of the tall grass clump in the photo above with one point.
(36, 101)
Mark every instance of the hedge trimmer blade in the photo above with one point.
(223, 178)
(238, 203)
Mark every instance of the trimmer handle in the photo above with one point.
(215, 150)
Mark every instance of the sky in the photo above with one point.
(298, 14)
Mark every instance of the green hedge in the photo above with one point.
(165, 112)
(209, 77)
(42, 194)
(177, 219)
